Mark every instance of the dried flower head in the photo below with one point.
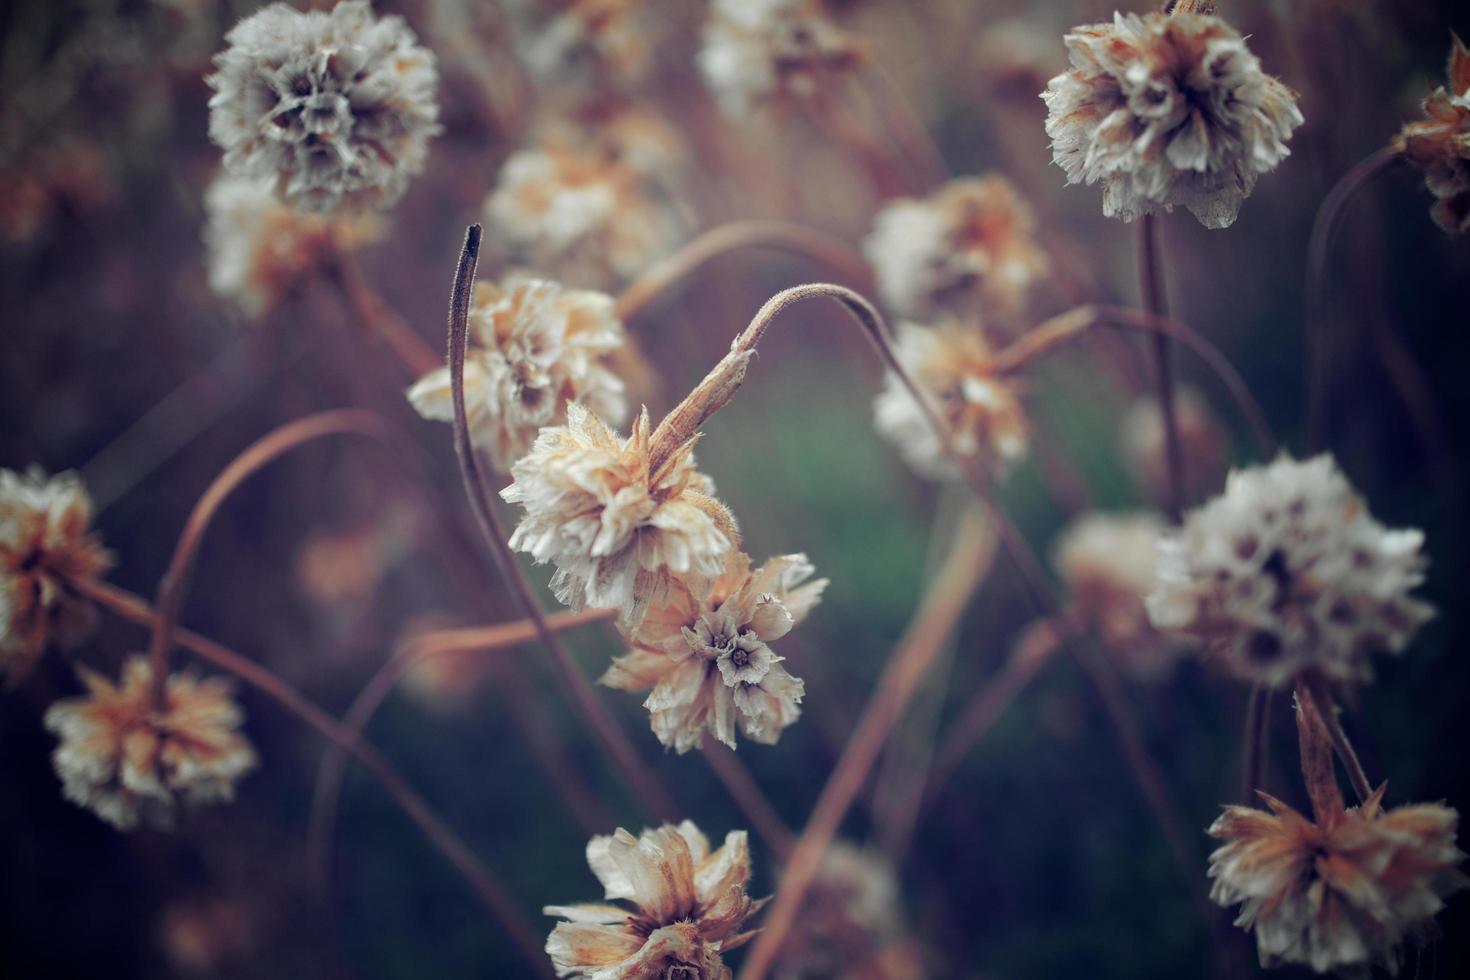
(1439, 144)
(622, 534)
(125, 758)
(953, 363)
(536, 346)
(1166, 110)
(688, 906)
(967, 249)
(758, 50)
(592, 43)
(1287, 571)
(335, 107)
(45, 545)
(709, 662)
(1201, 443)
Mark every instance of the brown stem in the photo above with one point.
(905, 127)
(1312, 691)
(1255, 730)
(451, 846)
(379, 318)
(1316, 757)
(1155, 303)
(749, 797)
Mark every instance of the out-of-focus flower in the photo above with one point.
(953, 363)
(537, 347)
(1166, 110)
(259, 249)
(125, 758)
(1287, 571)
(1341, 894)
(34, 188)
(45, 544)
(758, 50)
(688, 906)
(335, 107)
(622, 535)
(606, 43)
(967, 249)
(1439, 144)
(201, 937)
(1201, 443)
(708, 660)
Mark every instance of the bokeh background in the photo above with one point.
(1038, 860)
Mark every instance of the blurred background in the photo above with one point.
(1039, 858)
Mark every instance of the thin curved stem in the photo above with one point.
(1250, 774)
(905, 127)
(1156, 304)
(379, 318)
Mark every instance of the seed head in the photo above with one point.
(756, 51)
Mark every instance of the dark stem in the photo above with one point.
(1321, 702)
(1155, 303)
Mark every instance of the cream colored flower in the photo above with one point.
(1201, 441)
(709, 662)
(45, 544)
(590, 43)
(688, 906)
(758, 50)
(1167, 110)
(622, 535)
(1287, 571)
(1439, 144)
(968, 249)
(536, 347)
(953, 364)
(126, 759)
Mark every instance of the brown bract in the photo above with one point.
(1439, 144)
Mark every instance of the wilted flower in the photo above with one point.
(966, 249)
(755, 50)
(1287, 571)
(125, 758)
(1439, 144)
(622, 535)
(708, 659)
(953, 363)
(335, 107)
(1167, 110)
(688, 905)
(536, 347)
(45, 544)
(1201, 443)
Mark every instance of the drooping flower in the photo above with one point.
(335, 107)
(1201, 443)
(758, 50)
(1167, 110)
(709, 662)
(536, 347)
(45, 544)
(623, 534)
(967, 249)
(1287, 571)
(953, 363)
(127, 759)
(1439, 144)
(688, 906)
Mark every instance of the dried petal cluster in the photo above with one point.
(758, 50)
(336, 107)
(1439, 144)
(128, 759)
(968, 249)
(1167, 110)
(1287, 571)
(708, 660)
(953, 363)
(535, 346)
(587, 42)
(688, 906)
(45, 544)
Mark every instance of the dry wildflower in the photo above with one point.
(967, 249)
(1439, 144)
(758, 50)
(688, 906)
(709, 662)
(1201, 443)
(335, 107)
(594, 43)
(45, 544)
(1287, 571)
(535, 347)
(1166, 110)
(125, 758)
(622, 535)
(953, 363)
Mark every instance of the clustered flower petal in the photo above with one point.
(1167, 110)
(688, 906)
(45, 545)
(953, 363)
(968, 249)
(535, 347)
(1439, 144)
(758, 50)
(127, 759)
(1287, 571)
(708, 659)
(335, 107)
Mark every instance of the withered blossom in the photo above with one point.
(591, 43)
(1439, 144)
(759, 50)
